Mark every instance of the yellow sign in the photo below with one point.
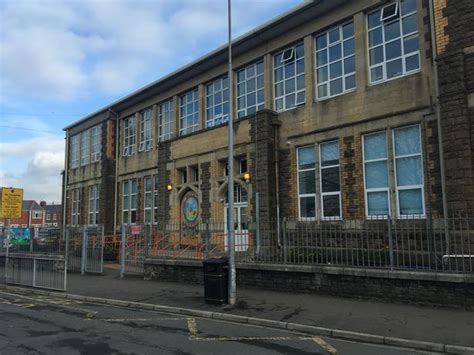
(11, 202)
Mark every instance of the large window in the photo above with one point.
(96, 133)
(85, 155)
(76, 207)
(93, 205)
(129, 136)
(217, 102)
(408, 171)
(166, 114)
(74, 151)
(129, 201)
(335, 61)
(393, 41)
(307, 182)
(250, 89)
(289, 78)
(146, 131)
(376, 174)
(188, 112)
(151, 196)
(330, 182)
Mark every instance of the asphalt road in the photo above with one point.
(34, 324)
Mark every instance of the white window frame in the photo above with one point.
(75, 154)
(129, 192)
(383, 44)
(96, 135)
(282, 82)
(376, 189)
(85, 147)
(409, 187)
(146, 131)
(244, 75)
(166, 120)
(313, 195)
(129, 136)
(214, 89)
(93, 217)
(190, 97)
(343, 59)
(332, 193)
(150, 192)
(76, 207)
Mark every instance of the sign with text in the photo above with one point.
(11, 202)
(134, 230)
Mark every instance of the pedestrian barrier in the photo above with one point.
(86, 249)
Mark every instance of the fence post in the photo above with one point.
(206, 240)
(390, 243)
(34, 272)
(285, 249)
(122, 250)
(66, 255)
(7, 252)
(257, 217)
(84, 250)
(32, 238)
(147, 240)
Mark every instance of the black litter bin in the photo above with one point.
(215, 280)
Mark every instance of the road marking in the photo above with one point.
(230, 338)
(330, 349)
(192, 327)
(136, 319)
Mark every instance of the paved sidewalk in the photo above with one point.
(440, 325)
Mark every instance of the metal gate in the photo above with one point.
(34, 257)
(133, 249)
(86, 249)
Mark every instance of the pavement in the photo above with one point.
(35, 323)
(452, 326)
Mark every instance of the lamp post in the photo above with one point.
(230, 163)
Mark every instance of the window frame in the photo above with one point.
(151, 192)
(129, 193)
(314, 195)
(343, 58)
(96, 145)
(409, 187)
(93, 214)
(221, 119)
(165, 119)
(184, 130)
(146, 131)
(332, 193)
(296, 91)
(259, 105)
(129, 136)
(383, 44)
(75, 151)
(377, 189)
(85, 147)
(76, 207)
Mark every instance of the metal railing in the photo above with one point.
(85, 249)
(431, 244)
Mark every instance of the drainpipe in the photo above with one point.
(438, 119)
(65, 182)
(117, 130)
(277, 183)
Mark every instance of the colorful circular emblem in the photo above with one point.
(190, 209)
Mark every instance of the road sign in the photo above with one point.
(11, 202)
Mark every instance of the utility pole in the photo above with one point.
(230, 177)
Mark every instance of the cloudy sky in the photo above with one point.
(61, 60)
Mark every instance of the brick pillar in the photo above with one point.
(352, 180)
(163, 210)
(107, 184)
(205, 188)
(262, 133)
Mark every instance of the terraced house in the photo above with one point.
(340, 108)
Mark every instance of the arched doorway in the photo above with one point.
(241, 228)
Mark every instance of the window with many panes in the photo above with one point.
(74, 155)
(96, 135)
(306, 182)
(335, 61)
(166, 117)
(93, 205)
(189, 112)
(217, 102)
(129, 201)
(250, 89)
(76, 207)
(330, 182)
(393, 40)
(375, 155)
(129, 136)
(409, 171)
(146, 131)
(85, 155)
(149, 200)
(289, 78)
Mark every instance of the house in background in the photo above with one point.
(53, 215)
